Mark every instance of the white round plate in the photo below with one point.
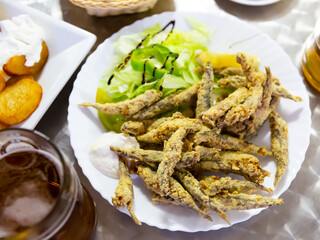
(255, 2)
(230, 35)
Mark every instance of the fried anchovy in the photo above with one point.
(244, 110)
(244, 201)
(204, 96)
(219, 109)
(212, 139)
(124, 192)
(240, 81)
(177, 192)
(167, 128)
(194, 188)
(212, 185)
(127, 107)
(159, 121)
(171, 156)
(232, 162)
(251, 126)
(234, 81)
(172, 101)
(206, 152)
(279, 144)
(229, 71)
(282, 92)
(152, 156)
(134, 128)
(253, 77)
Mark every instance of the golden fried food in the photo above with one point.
(16, 64)
(171, 156)
(232, 162)
(2, 80)
(192, 185)
(244, 201)
(127, 107)
(212, 139)
(212, 114)
(204, 96)
(167, 128)
(153, 156)
(4, 126)
(177, 192)
(213, 185)
(279, 144)
(124, 192)
(19, 99)
(134, 128)
(172, 101)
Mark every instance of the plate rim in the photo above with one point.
(284, 54)
(255, 3)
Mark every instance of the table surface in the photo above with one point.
(288, 22)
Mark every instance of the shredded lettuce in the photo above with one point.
(137, 75)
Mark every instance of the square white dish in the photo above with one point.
(68, 45)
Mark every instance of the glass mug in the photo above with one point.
(41, 196)
(311, 58)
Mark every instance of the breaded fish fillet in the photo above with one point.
(279, 144)
(124, 192)
(127, 107)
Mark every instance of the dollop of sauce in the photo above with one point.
(105, 160)
(20, 35)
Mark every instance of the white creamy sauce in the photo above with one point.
(105, 160)
(20, 36)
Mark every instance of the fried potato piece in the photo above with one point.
(124, 192)
(127, 107)
(16, 64)
(279, 144)
(2, 80)
(4, 126)
(19, 99)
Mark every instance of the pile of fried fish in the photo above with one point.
(178, 153)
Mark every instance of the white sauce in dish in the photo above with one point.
(20, 36)
(105, 160)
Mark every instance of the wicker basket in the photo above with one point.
(102, 8)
